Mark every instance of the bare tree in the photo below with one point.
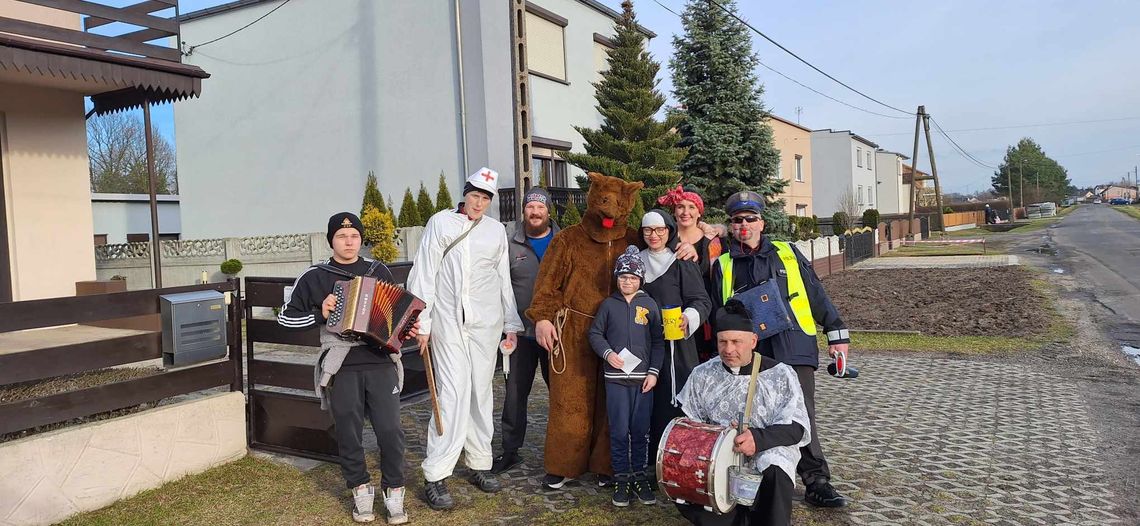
(116, 146)
(847, 204)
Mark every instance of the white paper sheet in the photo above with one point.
(631, 361)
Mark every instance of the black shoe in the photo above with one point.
(622, 493)
(487, 482)
(605, 481)
(554, 481)
(823, 495)
(505, 462)
(644, 491)
(438, 498)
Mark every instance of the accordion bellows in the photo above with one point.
(373, 310)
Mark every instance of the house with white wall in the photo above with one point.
(125, 218)
(893, 193)
(49, 61)
(843, 168)
(301, 112)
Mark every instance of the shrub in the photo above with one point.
(570, 216)
(231, 267)
(805, 228)
(409, 214)
(380, 233)
(372, 195)
(424, 205)
(871, 218)
(840, 222)
(947, 210)
(443, 195)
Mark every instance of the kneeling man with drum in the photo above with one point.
(753, 406)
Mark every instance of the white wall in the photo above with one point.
(835, 171)
(893, 197)
(117, 215)
(43, 139)
(301, 106)
(558, 107)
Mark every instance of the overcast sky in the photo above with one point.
(972, 63)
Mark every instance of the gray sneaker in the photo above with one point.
(363, 497)
(487, 482)
(394, 502)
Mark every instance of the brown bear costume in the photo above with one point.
(575, 276)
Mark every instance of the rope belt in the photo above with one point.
(558, 352)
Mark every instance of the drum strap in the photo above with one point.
(756, 358)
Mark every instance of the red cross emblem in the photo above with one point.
(487, 175)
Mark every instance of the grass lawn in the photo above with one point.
(1131, 210)
(949, 249)
(1058, 330)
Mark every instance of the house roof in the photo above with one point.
(852, 134)
(788, 122)
(888, 152)
(238, 4)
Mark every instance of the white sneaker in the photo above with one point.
(394, 501)
(363, 497)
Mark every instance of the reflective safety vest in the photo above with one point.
(797, 292)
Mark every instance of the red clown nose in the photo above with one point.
(607, 222)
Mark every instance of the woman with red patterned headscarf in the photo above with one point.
(687, 208)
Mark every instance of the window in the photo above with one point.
(602, 47)
(780, 168)
(870, 196)
(138, 238)
(545, 43)
(868, 160)
(801, 210)
(100, 239)
(859, 160)
(553, 170)
(859, 196)
(800, 170)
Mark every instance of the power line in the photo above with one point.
(959, 148)
(809, 64)
(801, 84)
(191, 49)
(1017, 126)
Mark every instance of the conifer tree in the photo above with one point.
(631, 143)
(409, 213)
(730, 145)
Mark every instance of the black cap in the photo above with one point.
(734, 316)
(344, 220)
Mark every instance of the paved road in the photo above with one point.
(1102, 247)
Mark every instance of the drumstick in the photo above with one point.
(431, 391)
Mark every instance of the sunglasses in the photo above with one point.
(743, 219)
(660, 230)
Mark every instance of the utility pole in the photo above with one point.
(933, 167)
(1009, 176)
(1021, 180)
(914, 168)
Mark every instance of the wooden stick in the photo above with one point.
(431, 391)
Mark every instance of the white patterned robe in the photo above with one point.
(715, 395)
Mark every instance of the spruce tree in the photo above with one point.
(638, 211)
(729, 144)
(409, 213)
(1030, 168)
(424, 205)
(372, 195)
(443, 195)
(631, 143)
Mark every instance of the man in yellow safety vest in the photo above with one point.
(751, 259)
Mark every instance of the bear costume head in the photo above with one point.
(608, 204)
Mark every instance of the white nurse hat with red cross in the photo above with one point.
(485, 179)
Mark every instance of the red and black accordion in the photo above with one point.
(373, 310)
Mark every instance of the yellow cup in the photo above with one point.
(671, 318)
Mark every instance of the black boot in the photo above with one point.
(505, 462)
(822, 494)
(622, 493)
(644, 490)
(438, 498)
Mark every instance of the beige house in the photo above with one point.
(48, 63)
(794, 143)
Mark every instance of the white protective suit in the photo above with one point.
(717, 396)
(470, 304)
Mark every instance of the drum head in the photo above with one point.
(723, 457)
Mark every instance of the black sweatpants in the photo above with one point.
(528, 356)
(812, 467)
(773, 505)
(371, 392)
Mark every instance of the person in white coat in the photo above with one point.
(462, 273)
